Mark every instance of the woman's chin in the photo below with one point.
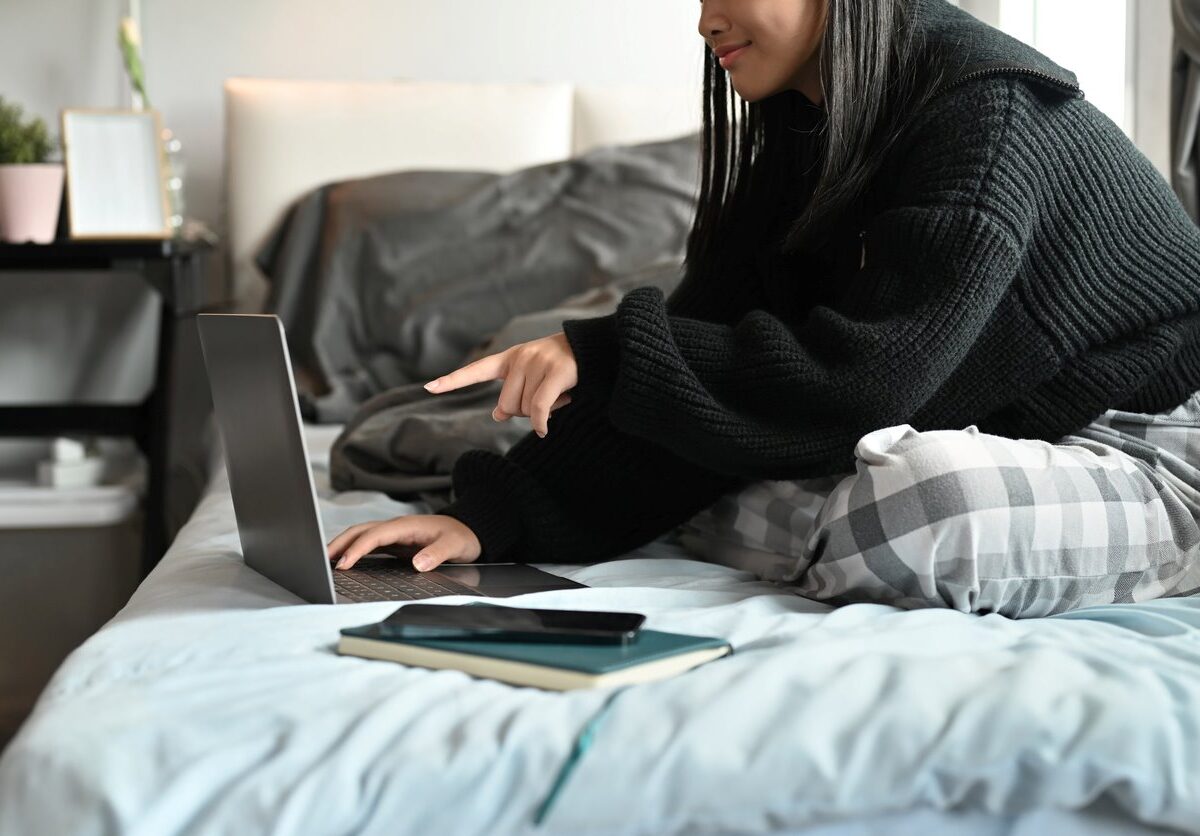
(750, 92)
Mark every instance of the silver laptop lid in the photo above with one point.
(274, 500)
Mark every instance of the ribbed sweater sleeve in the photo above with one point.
(588, 491)
(672, 411)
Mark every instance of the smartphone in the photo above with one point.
(500, 623)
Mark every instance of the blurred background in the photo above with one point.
(94, 334)
(66, 53)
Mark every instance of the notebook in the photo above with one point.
(653, 655)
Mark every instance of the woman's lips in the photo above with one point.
(730, 57)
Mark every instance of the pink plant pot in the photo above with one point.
(30, 197)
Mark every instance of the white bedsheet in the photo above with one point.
(213, 703)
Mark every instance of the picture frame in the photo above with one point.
(115, 174)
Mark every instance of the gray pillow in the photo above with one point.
(398, 278)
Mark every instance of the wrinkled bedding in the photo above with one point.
(214, 703)
(392, 279)
(405, 441)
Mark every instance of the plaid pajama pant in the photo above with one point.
(979, 522)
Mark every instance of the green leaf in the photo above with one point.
(22, 141)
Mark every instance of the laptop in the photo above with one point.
(275, 501)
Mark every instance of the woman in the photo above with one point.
(937, 342)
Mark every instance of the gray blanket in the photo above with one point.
(394, 279)
(405, 441)
(386, 282)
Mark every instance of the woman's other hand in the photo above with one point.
(445, 540)
(536, 375)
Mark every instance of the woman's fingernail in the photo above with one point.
(341, 564)
(495, 416)
(540, 433)
(423, 563)
(432, 386)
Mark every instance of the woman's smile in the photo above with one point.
(784, 35)
(728, 58)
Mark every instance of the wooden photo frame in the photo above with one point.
(115, 174)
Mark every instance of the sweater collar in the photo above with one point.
(966, 46)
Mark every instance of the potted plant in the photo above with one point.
(30, 185)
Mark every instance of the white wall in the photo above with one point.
(1135, 90)
(1151, 53)
(986, 10)
(69, 55)
(60, 53)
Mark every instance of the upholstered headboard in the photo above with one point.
(284, 137)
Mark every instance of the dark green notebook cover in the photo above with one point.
(586, 658)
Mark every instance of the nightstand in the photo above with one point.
(179, 270)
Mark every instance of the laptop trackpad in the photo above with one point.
(501, 580)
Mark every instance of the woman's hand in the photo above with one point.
(445, 540)
(535, 374)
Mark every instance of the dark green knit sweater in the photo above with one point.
(1027, 268)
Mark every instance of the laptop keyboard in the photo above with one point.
(387, 584)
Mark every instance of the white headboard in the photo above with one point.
(284, 137)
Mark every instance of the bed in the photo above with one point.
(214, 702)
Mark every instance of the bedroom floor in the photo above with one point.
(60, 587)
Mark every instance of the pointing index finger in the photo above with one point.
(485, 368)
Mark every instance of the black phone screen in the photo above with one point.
(480, 621)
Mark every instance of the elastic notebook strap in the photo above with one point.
(583, 742)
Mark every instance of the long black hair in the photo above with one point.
(789, 162)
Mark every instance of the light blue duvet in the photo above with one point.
(213, 704)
